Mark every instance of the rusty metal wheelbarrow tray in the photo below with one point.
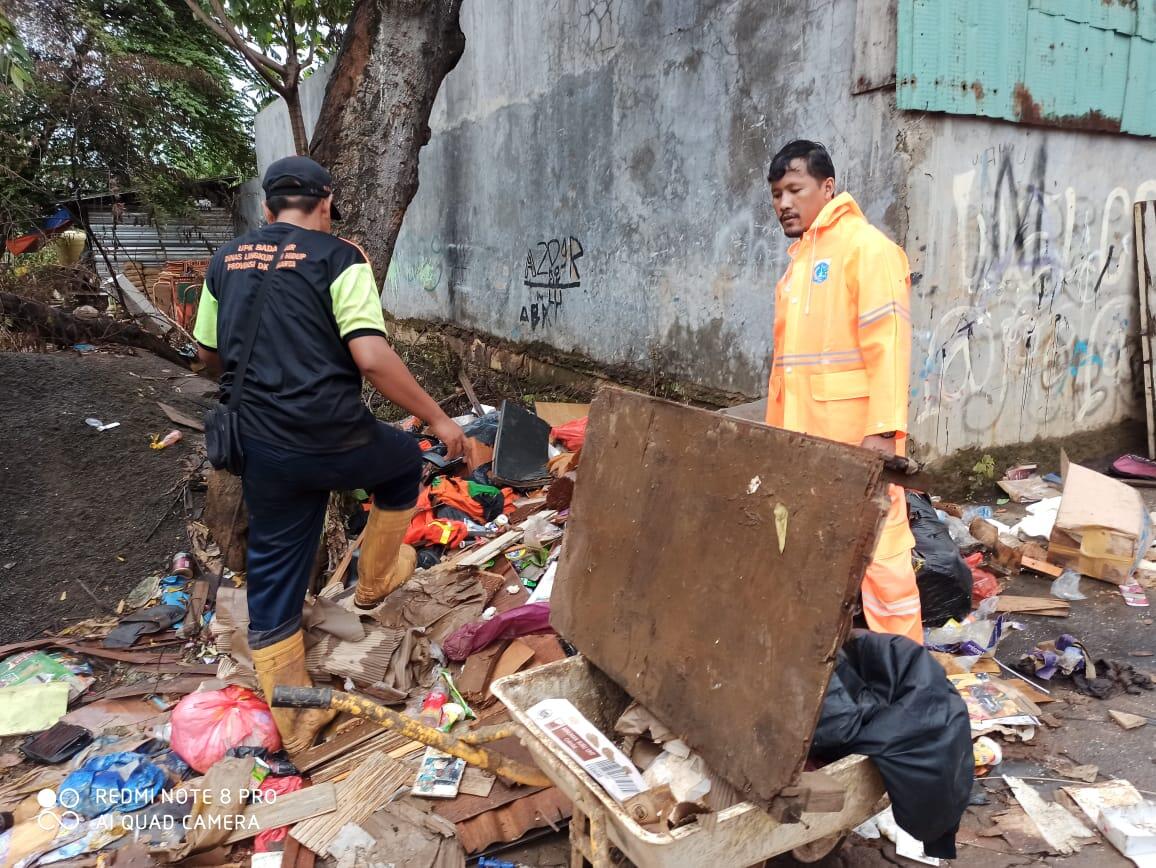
(738, 836)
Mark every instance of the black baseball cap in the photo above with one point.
(299, 176)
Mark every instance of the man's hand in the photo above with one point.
(450, 433)
(879, 443)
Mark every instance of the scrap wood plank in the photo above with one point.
(1064, 833)
(343, 565)
(502, 792)
(162, 687)
(337, 746)
(180, 418)
(479, 557)
(1049, 606)
(367, 788)
(295, 807)
(556, 415)
(296, 856)
(633, 596)
(1040, 566)
(1145, 228)
(391, 743)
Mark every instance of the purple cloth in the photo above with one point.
(1134, 467)
(532, 618)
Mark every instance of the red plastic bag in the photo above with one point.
(272, 789)
(571, 435)
(983, 583)
(206, 725)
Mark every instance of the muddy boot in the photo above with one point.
(283, 665)
(385, 562)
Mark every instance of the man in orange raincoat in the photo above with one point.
(842, 352)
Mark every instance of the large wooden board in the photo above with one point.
(673, 584)
(1145, 219)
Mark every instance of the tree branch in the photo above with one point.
(290, 32)
(224, 30)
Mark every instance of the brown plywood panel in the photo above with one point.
(673, 583)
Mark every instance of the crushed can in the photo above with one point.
(182, 565)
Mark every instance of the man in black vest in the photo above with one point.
(304, 426)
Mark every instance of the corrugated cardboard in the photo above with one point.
(1102, 529)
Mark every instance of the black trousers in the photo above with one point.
(286, 492)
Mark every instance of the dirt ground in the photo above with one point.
(77, 505)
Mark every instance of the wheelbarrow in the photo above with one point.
(602, 832)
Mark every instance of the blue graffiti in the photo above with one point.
(1081, 358)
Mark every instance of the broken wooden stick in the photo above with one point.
(64, 328)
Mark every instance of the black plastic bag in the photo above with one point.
(484, 429)
(890, 700)
(943, 577)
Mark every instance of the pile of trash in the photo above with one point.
(144, 735)
(1073, 528)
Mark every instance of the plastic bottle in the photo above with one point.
(971, 513)
(170, 439)
(431, 708)
(959, 532)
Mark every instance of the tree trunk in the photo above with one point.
(375, 117)
(297, 120)
(64, 328)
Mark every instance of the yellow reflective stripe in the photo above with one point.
(355, 299)
(205, 328)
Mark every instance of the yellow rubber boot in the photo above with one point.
(385, 563)
(283, 665)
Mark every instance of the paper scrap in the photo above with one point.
(991, 703)
(905, 845)
(754, 486)
(782, 516)
(1063, 832)
(1133, 593)
(1123, 816)
(32, 707)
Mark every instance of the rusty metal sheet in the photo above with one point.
(546, 808)
(673, 583)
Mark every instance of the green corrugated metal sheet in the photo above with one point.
(1139, 116)
(1078, 63)
(1146, 21)
(1117, 15)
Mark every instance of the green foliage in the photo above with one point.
(985, 467)
(312, 30)
(14, 59)
(982, 475)
(123, 95)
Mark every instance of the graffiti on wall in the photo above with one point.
(744, 250)
(423, 268)
(1040, 297)
(551, 267)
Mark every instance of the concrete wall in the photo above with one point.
(596, 179)
(1025, 302)
(271, 130)
(595, 182)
